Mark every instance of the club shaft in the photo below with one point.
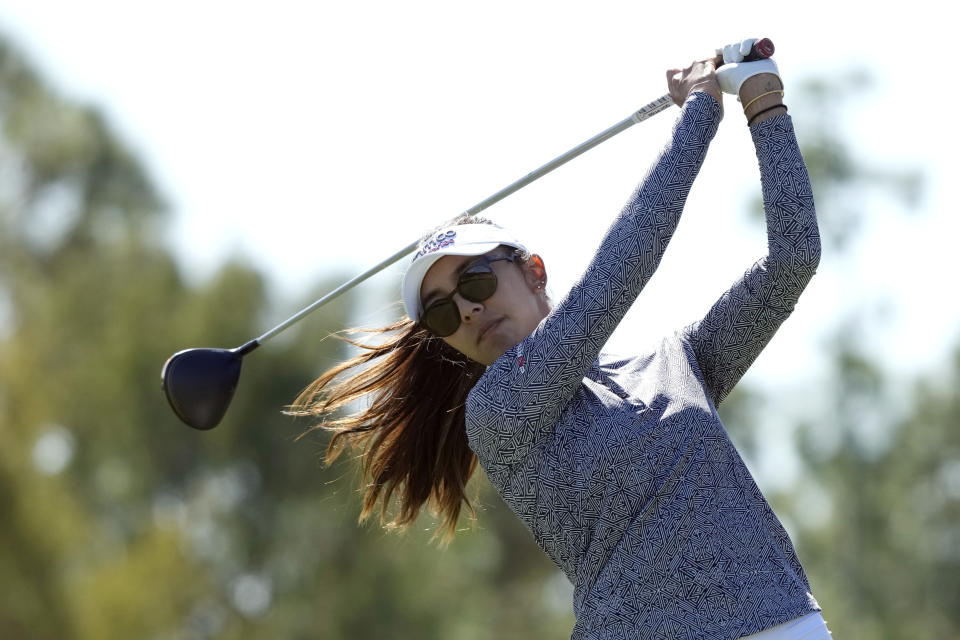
(640, 115)
(653, 108)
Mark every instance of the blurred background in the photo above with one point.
(184, 174)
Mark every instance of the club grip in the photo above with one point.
(762, 48)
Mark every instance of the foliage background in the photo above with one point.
(120, 523)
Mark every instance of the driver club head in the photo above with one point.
(199, 384)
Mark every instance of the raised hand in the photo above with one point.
(699, 76)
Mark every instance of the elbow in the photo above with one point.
(806, 258)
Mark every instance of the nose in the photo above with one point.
(468, 309)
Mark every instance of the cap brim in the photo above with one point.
(413, 278)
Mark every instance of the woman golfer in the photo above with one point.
(620, 468)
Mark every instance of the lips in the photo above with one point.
(487, 327)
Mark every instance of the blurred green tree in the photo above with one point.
(877, 511)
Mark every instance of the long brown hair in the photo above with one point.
(412, 435)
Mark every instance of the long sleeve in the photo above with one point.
(742, 322)
(518, 401)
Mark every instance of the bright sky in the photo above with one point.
(319, 138)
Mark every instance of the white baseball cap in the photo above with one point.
(458, 240)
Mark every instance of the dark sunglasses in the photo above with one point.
(476, 283)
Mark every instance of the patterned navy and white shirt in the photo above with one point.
(622, 469)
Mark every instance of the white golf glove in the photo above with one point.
(735, 71)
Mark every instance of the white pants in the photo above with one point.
(808, 627)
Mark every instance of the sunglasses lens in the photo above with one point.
(442, 319)
(477, 287)
(476, 284)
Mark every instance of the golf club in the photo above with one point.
(199, 383)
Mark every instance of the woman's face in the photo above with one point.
(487, 329)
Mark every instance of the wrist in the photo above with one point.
(762, 95)
(709, 90)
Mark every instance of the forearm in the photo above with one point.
(793, 237)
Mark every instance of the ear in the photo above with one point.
(535, 272)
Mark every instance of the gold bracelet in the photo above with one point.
(762, 95)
